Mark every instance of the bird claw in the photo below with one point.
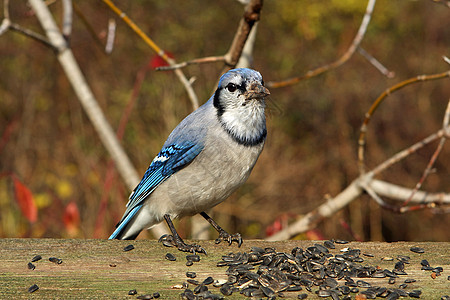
(230, 238)
(169, 241)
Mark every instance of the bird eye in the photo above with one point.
(231, 87)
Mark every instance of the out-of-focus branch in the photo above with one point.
(351, 193)
(85, 94)
(111, 36)
(374, 62)
(8, 25)
(87, 99)
(376, 104)
(251, 16)
(344, 58)
(67, 19)
(89, 27)
(376, 189)
(186, 83)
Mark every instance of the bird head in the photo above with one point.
(240, 87)
(239, 101)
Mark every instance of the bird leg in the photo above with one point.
(223, 235)
(175, 240)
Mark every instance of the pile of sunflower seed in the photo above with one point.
(266, 273)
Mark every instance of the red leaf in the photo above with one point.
(25, 200)
(158, 61)
(71, 218)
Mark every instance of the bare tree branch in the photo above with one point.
(251, 16)
(89, 27)
(87, 99)
(85, 94)
(374, 62)
(67, 19)
(351, 193)
(400, 193)
(327, 209)
(376, 188)
(378, 101)
(344, 58)
(111, 36)
(186, 83)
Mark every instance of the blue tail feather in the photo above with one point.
(121, 226)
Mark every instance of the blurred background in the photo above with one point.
(57, 179)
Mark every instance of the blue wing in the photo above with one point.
(168, 161)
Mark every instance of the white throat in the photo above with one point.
(246, 123)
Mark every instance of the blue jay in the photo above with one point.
(206, 157)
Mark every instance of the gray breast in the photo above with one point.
(214, 174)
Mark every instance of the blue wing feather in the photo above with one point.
(169, 160)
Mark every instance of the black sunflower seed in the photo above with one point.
(31, 266)
(341, 241)
(417, 249)
(329, 244)
(132, 292)
(193, 257)
(33, 288)
(55, 260)
(191, 274)
(226, 289)
(170, 257)
(128, 248)
(208, 280)
(425, 263)
(36, 258)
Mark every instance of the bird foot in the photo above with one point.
(230, 238)
(169, 240)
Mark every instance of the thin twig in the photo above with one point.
(376, 104)
(374, 62)
(251, 16)
(406, 152)
(210, 59)
(85, 95)
(34, 35)
(67, 19)
(6, 9)
(111, 36)
(156, 49)
(344, 58)
(89, 27)
(433, 158)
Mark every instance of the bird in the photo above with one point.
(204, 160)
